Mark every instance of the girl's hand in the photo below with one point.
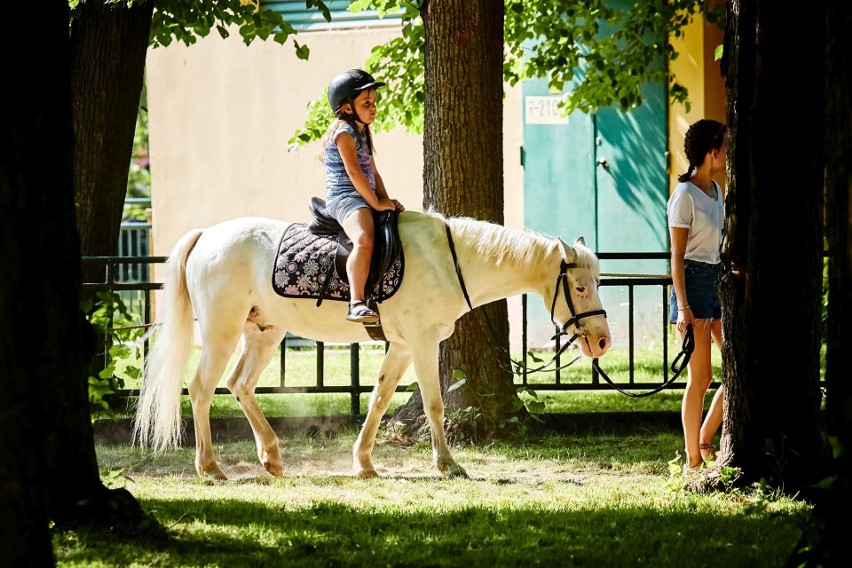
(684, 318)
(386, 204)
(397, 205)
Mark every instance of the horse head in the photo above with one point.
(576, 306)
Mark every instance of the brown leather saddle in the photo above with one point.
(387, 248)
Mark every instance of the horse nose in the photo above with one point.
(603, 344)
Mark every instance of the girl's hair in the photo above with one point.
(702, 136)
(364, 137)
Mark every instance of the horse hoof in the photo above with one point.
(217, 475)
(366, 473)
(455, 470)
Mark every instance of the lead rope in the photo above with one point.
(682, 358)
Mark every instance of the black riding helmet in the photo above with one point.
(346, 86)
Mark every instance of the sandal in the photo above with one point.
(708, 452)
(688, 471)
(359, 312)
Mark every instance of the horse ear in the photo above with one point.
(567, 251)
(580, 241)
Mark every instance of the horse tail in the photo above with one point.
(157, 423)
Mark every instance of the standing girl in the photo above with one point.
(695, 215)
(354, 187)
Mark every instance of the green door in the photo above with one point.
(603, 177)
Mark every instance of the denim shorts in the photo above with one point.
(345, 205)
(700, 291)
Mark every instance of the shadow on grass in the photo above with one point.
(238, 533)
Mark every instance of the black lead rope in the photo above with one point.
(678, 365)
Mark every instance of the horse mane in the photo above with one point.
(505, 244)
(502, 244)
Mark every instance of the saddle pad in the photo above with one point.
(305, 261)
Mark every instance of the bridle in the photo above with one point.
(562, 279)
(575, 319)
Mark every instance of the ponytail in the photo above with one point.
(701, 137)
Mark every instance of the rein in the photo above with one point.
(561, 279)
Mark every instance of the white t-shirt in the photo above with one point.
(690, 208)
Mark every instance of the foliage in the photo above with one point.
(531, 401)
(185, 20)
(600, 53)
(113, 322)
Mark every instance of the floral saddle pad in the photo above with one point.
(305, 268)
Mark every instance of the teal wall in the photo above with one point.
(602, 176)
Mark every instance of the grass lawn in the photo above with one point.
(546, 498)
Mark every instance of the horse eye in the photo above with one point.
(581, 289)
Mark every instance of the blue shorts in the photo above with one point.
(700, 291)
(345, 205)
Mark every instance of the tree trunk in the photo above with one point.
(834, 500)
(37, 296)
(49, 468)
(463, 175)
(109, 43)
(772, 264)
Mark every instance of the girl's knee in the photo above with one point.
(364, 241)
(700, 381)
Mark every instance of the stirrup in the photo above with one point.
(360, 312)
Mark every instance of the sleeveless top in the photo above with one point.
(337, 181)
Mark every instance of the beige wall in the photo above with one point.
(220, 116)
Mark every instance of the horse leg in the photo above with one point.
(215, 353)
(259, 345)
(426, 367)
(396, 361)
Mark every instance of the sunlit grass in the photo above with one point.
(549, 499)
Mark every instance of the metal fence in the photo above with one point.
(130, 278)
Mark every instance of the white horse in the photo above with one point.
(224, 275)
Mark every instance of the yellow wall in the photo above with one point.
(696, 69)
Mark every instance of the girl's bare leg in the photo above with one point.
(359, 229)
(700, 375)
(714, 415)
